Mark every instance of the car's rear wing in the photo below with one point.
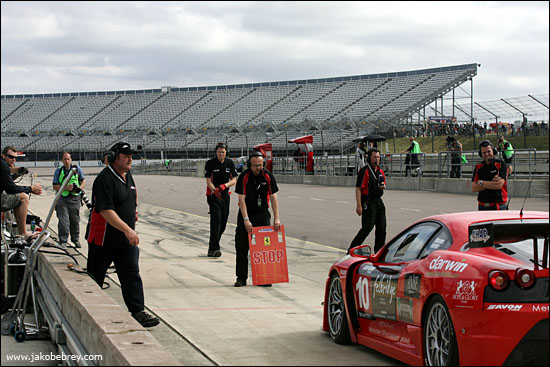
(486, 234)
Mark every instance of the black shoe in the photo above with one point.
(216, 253)
(264, 285)
(145, 319)
(240, 283)
(77, 245)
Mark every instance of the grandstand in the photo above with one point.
(189, 121)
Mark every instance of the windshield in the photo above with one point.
(524, 250)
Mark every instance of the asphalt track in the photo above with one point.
(207, 321)
(320, 214)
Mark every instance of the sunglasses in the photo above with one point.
(11, 156)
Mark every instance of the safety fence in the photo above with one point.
(527, 163)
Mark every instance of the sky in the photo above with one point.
(52, 47)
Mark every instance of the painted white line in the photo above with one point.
(293, 197)
(342, 202)
(412, 210)
(317, 199)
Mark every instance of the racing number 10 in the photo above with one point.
(362, 288)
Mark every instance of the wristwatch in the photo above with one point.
(480, 182)
(246, 218)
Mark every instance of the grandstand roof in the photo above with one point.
(535, 107)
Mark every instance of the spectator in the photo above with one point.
(411, 160)
(13, 196)
(455, 149)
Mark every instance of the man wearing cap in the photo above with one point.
(220, 175)
(112, 236)
(68, 206)
(13, 196)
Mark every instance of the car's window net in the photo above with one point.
(409, 244)
(441, 241)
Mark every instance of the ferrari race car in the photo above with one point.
(464, 288)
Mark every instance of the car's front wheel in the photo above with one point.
(440, 347)
(337, 319)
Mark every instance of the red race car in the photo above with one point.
(464, 288)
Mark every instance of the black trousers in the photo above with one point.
(127, 268)
(411, 163)
(219, 212)
(456, 168)
(374, 215)
(241, 241)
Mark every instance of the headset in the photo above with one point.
(486, 143)
(113, 152)
(252, 155)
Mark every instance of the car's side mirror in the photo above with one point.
(361, 251)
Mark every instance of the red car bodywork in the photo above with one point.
(386, 303)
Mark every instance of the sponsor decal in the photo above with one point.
(412, 285)
(505, 307)
(480, 235)
(466, 291)
(384, 289)
(448, 265)
(385, 329)
(266, 230)
(539, 308)
(343, 272)
(405, 309)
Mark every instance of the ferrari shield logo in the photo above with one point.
(267, 241)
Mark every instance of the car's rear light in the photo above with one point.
(498, 280)
(525, 278)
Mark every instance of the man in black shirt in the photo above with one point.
(489, 179)
(220, 175)
(112, 236)
(13, 196)
(256, 188)
(369, 188)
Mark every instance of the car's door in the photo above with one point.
(384, 291)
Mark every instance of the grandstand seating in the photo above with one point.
(196, 117)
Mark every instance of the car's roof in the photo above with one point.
(458, 223)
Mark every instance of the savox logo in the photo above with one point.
(450, 265)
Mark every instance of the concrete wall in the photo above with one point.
(102, 325)
(516, 188)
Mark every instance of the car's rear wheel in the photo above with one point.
(440, 347)
(337, 318)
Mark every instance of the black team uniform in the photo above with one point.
(491, 199)
(107, 244)
(219, 173)
(257, 190)
(374, 211)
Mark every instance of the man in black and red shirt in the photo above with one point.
(220, 175)
(256, 188)
(369, 188)
(489, 179)
(112, 236)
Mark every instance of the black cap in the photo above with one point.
(123, 147)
